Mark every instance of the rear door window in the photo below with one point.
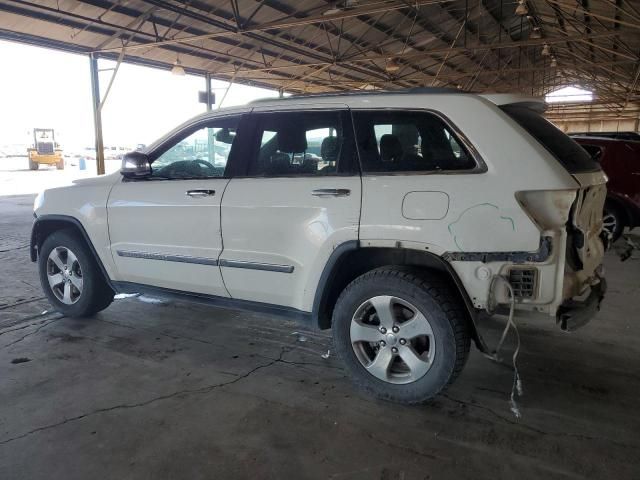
(570, 154)
(316, 143)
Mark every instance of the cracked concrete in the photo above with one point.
(179, 393)
(178, 390)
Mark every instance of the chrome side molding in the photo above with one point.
(168, 258)
(269, 267)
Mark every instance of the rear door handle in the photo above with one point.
(201, 193)
(331, 192)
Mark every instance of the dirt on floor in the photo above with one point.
(160, 389)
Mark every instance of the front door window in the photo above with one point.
(202, 154)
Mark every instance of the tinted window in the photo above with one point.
(302, 143)
(617, 135)
(594, 151)
(629, 136)
(396, 141)
(571, 155)
(202, 154)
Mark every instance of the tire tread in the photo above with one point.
(439, 288)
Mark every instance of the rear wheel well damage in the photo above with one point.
(349, 262)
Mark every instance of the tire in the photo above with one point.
(88, 292)
(60, 165)
(407, 292)
(613, 221)
(33, 165)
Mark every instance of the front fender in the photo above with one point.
(46, 224)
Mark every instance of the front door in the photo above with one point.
(165, 230)
(298, 199)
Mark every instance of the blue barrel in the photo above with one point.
(83, 163)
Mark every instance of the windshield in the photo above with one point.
(571, 155)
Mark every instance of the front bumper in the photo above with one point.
(574, 314)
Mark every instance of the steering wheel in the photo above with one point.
(205, 163)
(188, 168)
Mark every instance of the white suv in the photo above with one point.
(386, 216)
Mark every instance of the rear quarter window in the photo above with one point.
(567, 151)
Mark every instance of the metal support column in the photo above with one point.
(97, 114)
(211, 143)
(207, 79)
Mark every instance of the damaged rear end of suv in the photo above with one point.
(574, 216)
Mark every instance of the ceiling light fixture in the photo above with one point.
(332, 10)
(337, 7)
(177, 68)
(522, 8)
(392, 65)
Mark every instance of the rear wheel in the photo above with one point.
(613, 221)
(33, 165)
(70, 276)
(402, 335)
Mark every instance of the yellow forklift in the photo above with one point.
(45, 150)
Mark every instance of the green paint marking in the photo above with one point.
(455, 238)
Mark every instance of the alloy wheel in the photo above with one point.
(64, 275)
(392, 339)
(610, 222)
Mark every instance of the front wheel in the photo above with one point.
(402, 335)
(70, 277)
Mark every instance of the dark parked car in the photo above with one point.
(634, 136)
(620, 159)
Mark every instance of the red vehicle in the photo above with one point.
(620, 159)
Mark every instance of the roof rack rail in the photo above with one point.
(406, 91)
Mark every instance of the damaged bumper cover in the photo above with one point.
(574, 314)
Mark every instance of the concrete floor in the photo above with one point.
(150, 389)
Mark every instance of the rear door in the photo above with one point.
(297, 199)
(165, 230)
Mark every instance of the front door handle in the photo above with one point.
(331, 192)
(201, 193)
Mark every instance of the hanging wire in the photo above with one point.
(516, 388)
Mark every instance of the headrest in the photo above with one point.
(329, 149)
(390, 148)
(292, 139)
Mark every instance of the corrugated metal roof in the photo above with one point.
(318, 46)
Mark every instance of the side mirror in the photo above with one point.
(135, 165)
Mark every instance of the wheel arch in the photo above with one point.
(45, 225)
(349, 261)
